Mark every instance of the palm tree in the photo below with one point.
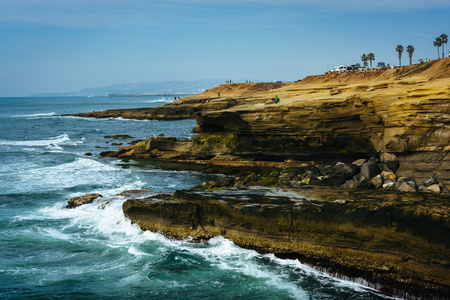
(444, 40)
(410, 50)
(399, 49)
(437, 43)
(371, 57)
(364, 59)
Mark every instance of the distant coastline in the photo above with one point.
(150, 95)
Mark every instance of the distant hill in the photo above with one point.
(172, 87)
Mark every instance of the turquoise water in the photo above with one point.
(93, 252)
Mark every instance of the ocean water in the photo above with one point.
(93, 252)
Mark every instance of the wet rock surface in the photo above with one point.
(85, 199)
(398, 242)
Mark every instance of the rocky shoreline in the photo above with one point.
(349, 172)
(398, 243)
(378, 171)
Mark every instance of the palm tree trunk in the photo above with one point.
(438, 52)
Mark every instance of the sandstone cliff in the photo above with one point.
(405, 111)
(399, 241)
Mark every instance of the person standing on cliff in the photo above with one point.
(276, 100)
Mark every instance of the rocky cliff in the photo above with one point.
(405, 111)
(397, 121)
(332, 117)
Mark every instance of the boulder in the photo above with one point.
(77, 201)
(364, 183)
(373, 159)
(431, 181)
(377, 181)
(388, 175)
(349, 184)
(388, 157)
(225, 181)
(406, 179)
(370, 170)
(390, 185)
(359, 162)
(407, 186)
(434, 188)
(346, 171)
(333, 180)
(390, 166)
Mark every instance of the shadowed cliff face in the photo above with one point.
(398, 241)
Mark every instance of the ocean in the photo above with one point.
(93, 251)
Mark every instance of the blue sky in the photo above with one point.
(67, 45)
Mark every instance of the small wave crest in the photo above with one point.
(39, 115)
(38, 143)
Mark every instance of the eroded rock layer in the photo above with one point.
(398, 242)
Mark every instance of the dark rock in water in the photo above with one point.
(135, 193)
(108, 153)
(119, 136)
(370, 170)
(77, 201)
(88, 154)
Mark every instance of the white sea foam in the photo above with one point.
(105, 218)
(57, 140)
(357, 285)
(225, 255)
(39, 115)
(79, 172)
